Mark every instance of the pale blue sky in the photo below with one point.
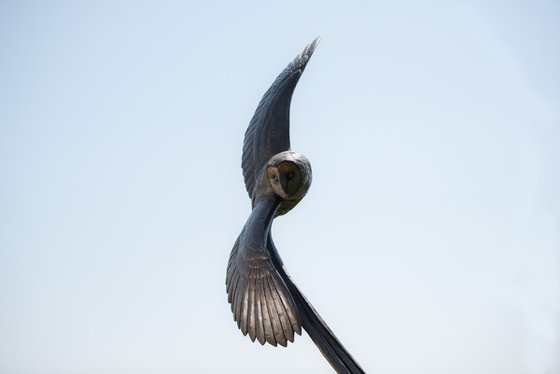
(429, 240)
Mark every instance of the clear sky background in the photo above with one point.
(429, 240)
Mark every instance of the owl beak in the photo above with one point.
(274, 178)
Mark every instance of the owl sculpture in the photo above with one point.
(265, 302)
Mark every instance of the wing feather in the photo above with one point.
(260, 319)
(267, 321)
(284, 327)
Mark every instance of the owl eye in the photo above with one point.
(290, 177)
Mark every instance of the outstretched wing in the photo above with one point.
(269, 130)
(260, 300)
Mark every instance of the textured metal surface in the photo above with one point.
(269, 130)
(266, 303)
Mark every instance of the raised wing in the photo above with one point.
(260, 300)
(269, 130)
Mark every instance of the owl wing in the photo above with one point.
(260, 300)
(269, 130)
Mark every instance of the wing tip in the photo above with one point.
(307, 52)
(311, 47)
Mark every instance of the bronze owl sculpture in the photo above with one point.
(265, 302)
